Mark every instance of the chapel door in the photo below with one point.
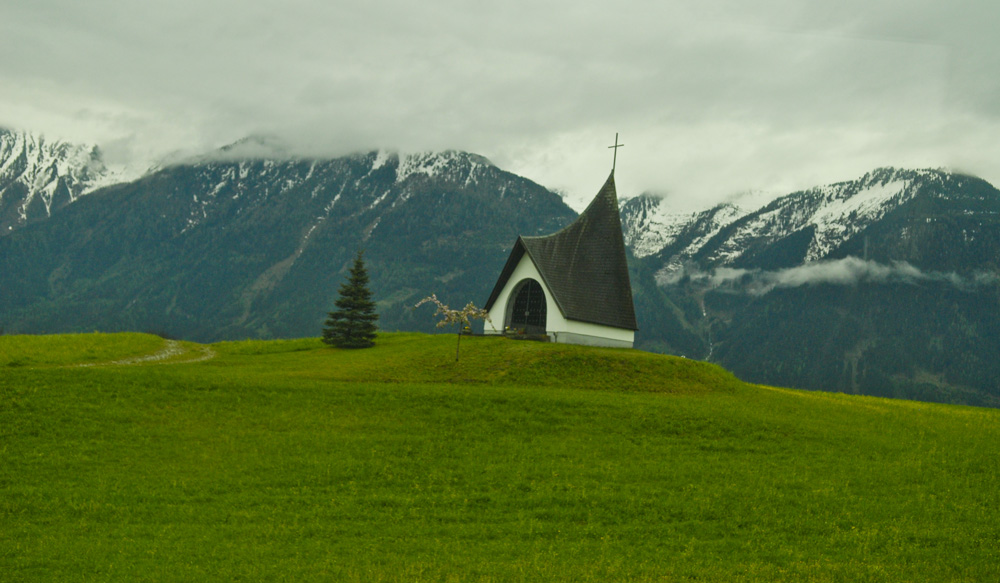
(528, 309)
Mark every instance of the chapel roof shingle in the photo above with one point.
(583, 265)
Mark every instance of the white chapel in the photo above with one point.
(573, 285)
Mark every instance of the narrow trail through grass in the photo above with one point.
(98, 350)
(173, 352)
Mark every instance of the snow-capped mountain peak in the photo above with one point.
(812, 223)
(650, 225)
(432, 164)
(39, 176)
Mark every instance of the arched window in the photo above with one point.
(526, 308)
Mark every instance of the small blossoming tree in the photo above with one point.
(449, 317)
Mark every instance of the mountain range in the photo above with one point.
(884, 285)
(224, 249)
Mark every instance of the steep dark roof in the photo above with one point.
(583, 265)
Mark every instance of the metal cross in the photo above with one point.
(614, 161)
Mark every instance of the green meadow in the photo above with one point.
(290, 461)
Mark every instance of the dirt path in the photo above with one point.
(171, 349)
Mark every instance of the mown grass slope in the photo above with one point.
(287, 460)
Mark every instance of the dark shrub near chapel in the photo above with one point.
(352, 324)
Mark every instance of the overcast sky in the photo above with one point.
(711, 97)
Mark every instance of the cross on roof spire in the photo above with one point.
(614, 161)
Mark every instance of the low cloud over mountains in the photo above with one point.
(846, 271)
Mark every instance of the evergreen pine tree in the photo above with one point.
(352, 324)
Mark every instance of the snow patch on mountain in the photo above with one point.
(38, 176)
(650, 223)
(835, 212)
(379, 200)
(715, 220)
(426, 164)
(381, 158)
(458, 166)
(649, 227)
(842, 216)
(829, 215)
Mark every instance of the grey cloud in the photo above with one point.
(711, 96)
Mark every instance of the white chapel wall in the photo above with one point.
(525, 269)
(557, 327)
(575, 332)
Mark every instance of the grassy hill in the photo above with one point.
(287, 460)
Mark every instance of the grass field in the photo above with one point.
(290, 461)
